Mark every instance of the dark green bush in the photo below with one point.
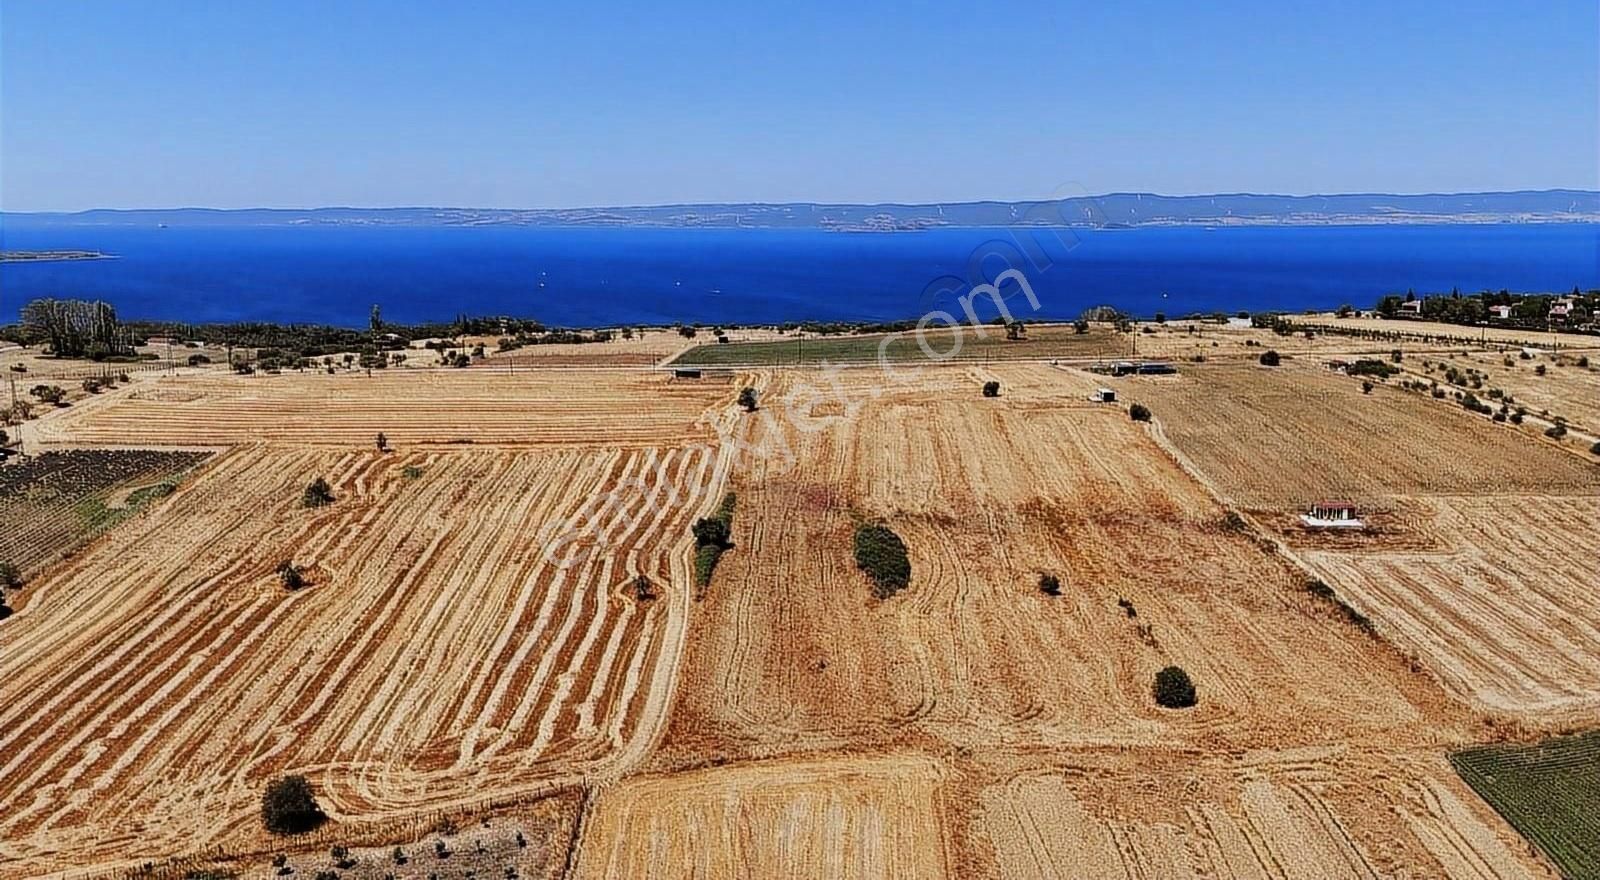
(290, 576)
(1139, 412)
(1050, 585)
(712, 536)
(882, 555)
(318, 494)
(747, 399)
(991, 389)
(1174, 689)
(288, 806)
(10, 576)
(1319, 589)
(1270, 358)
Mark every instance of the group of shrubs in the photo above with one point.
(713, 535)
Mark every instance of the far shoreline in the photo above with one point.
(54, 256)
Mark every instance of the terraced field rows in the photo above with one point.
(153, 685)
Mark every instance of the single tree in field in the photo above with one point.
(1050, 585)
(288, 806)
(383, 442)
(1016, 330)
(643, 590)
(1270, 358)
(1174, 689)
(1080, 326)
(318, 494)
(50, 394)
(991, 388)
(747, 399)
(290, 576)
(10, 576)
(710, 531)
(1139, 412)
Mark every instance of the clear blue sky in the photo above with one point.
(151, 103)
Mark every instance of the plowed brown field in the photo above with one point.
(156, 682)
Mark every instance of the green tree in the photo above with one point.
(882, 555)
(711, 531)
(1173, 689)
(1050, 585)
(375, 321)
(318, 494)
(289, 807)
(747, 399)
(1080, 326)
(991, 388)
(10, 576)
(1270, 358)
(1139, 412)
(51, 394)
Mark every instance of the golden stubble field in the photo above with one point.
(1052, 760)
(784, 725)
(439, 658)
(1478, 562)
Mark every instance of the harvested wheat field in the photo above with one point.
(411, 407)
(791, 650)
(1288, 436)
(1328, 814)
(436, 657)
(1501, 604)
(870, 817)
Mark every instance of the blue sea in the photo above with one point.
(595, 276)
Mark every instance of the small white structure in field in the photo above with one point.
(1332, 515)
(1103, 395)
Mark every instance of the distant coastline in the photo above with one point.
(1107, 211)
(50, 256)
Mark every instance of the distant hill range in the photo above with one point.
(1112, 210)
